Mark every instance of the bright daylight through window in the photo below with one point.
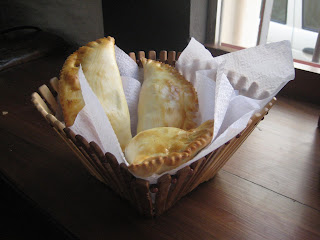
(247, 23)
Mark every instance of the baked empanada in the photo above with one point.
(100, 68)
(164, 148)
(166, 98)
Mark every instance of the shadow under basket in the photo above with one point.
(148, 199)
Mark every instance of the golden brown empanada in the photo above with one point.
(166, 98)
(100, 68)
(161, 149)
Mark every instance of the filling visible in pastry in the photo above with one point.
(99, 65)
(166, 98)
(164, 148)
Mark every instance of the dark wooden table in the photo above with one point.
(270, 189)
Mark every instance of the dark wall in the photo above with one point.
(76, 21)
(305, 87)
(147, 24)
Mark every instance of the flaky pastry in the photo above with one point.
(164, 148)
(100, 68)
(166, 98)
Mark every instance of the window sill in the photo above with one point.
(306, 67)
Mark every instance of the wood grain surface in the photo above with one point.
(269, 189)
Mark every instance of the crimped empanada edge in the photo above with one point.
(160, 164)
(69, 76)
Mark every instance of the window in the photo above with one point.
(247, 23)
(279, 11)
(240, 22)
(302, 19)
(311, 15)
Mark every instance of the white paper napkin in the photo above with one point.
(93, 124)
(131, 89)
(128, 67)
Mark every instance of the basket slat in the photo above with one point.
(83, 145)
(142, 195)
(152, 55)
(114, 184)
(162, 194)
(85, 162)
(40, 104)
(54, 82)
(163, 56)
(48, 96)
(174, 192)
(59, 126)
(87, 156)
(103, 171)
(128, 178)
(51, 119)
(218, 158)
(99, 162)
(102, 161)
(195, 168)
(199, 175)
(224, 154)
(117, 172)
(141, 54)
(133, 56)
(178, 55)
(172, 58)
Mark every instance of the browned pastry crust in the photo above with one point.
(70, 82)
(99, 66)
(166, 98)
(162, 149)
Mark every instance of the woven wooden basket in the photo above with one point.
(149, 199)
